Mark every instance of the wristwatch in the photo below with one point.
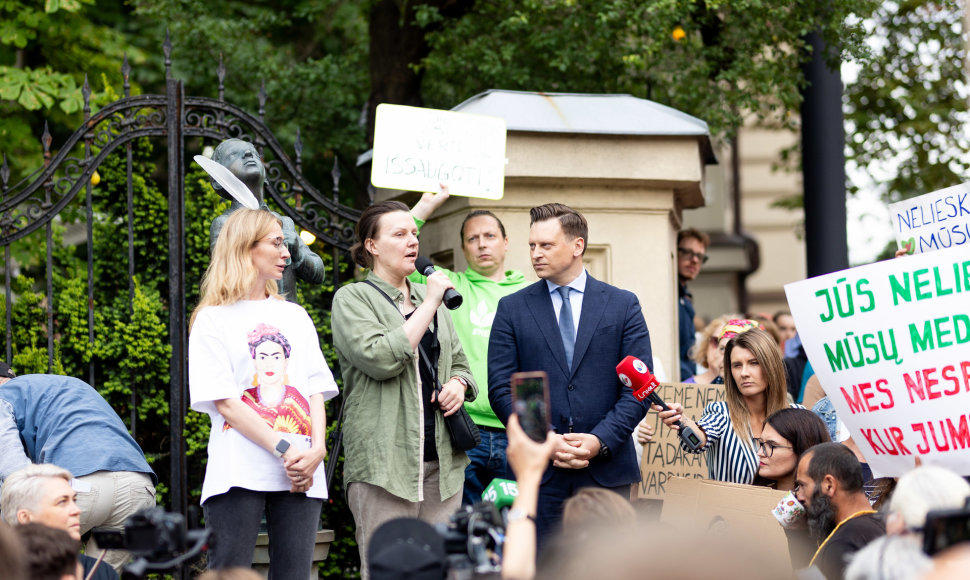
(281, 448)
(604, 450)
(516, 514)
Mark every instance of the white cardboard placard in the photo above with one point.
(416, 149)
(934, 221)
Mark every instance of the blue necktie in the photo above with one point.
(566, 329)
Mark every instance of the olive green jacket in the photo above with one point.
(383, 433)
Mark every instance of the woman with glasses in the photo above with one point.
(754, 383)
(786, 435)
(256, 368)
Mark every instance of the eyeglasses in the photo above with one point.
(685, 253)
(767, 448)
(278, 243)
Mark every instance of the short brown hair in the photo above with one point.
(695, 233)
(12, 563)
(367, 229)
(51, 552)
(573, 223)
(480, 213)
(592, 506)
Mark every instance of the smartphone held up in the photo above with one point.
(530, 400)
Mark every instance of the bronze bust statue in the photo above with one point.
(241, 158)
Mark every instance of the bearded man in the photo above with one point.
(828, 482)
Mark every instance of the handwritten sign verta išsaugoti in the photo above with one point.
(416, 149)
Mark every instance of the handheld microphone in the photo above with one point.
(501, 492)
(635, 375)
(452, 298)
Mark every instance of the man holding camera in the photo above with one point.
(64, 421)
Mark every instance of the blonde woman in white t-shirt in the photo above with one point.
(256, 368)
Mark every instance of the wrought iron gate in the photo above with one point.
(37, 200)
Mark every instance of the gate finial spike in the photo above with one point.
(335, 174)
(262, 98)
(221, 73)
(86, 95)
(45, 140)
(167, 49)
(5, 172)
(125, 73)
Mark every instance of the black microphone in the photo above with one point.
(452, 298)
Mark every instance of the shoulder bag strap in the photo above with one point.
(423, 355)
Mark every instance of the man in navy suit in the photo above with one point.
(578, 344)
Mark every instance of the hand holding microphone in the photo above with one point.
(452, 299)
(634, 374)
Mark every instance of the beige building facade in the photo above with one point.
(756, 247)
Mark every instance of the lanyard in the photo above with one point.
(857, 514)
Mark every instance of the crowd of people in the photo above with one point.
(410, 368)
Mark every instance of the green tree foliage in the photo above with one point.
(46, 49)
(311, 55)
(907, 113)
(717, 60)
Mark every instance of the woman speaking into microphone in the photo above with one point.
(392, 337)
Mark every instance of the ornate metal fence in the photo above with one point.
(36, 201)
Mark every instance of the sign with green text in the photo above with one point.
(890, 343)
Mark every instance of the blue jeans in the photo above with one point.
(487, 463)
(291, 519)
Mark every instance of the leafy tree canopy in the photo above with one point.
(906, 113)
(717, 60)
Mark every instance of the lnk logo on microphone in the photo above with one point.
(639, 366)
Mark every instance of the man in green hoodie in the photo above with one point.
(486, 280)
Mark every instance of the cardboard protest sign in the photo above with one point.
(663, 458)
(416, 149)
(890, 343)
(934, 221)
(728, 508)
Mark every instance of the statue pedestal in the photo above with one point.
(320, 551)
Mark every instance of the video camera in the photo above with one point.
(474, 536)
(945, 528)
(157, 540)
